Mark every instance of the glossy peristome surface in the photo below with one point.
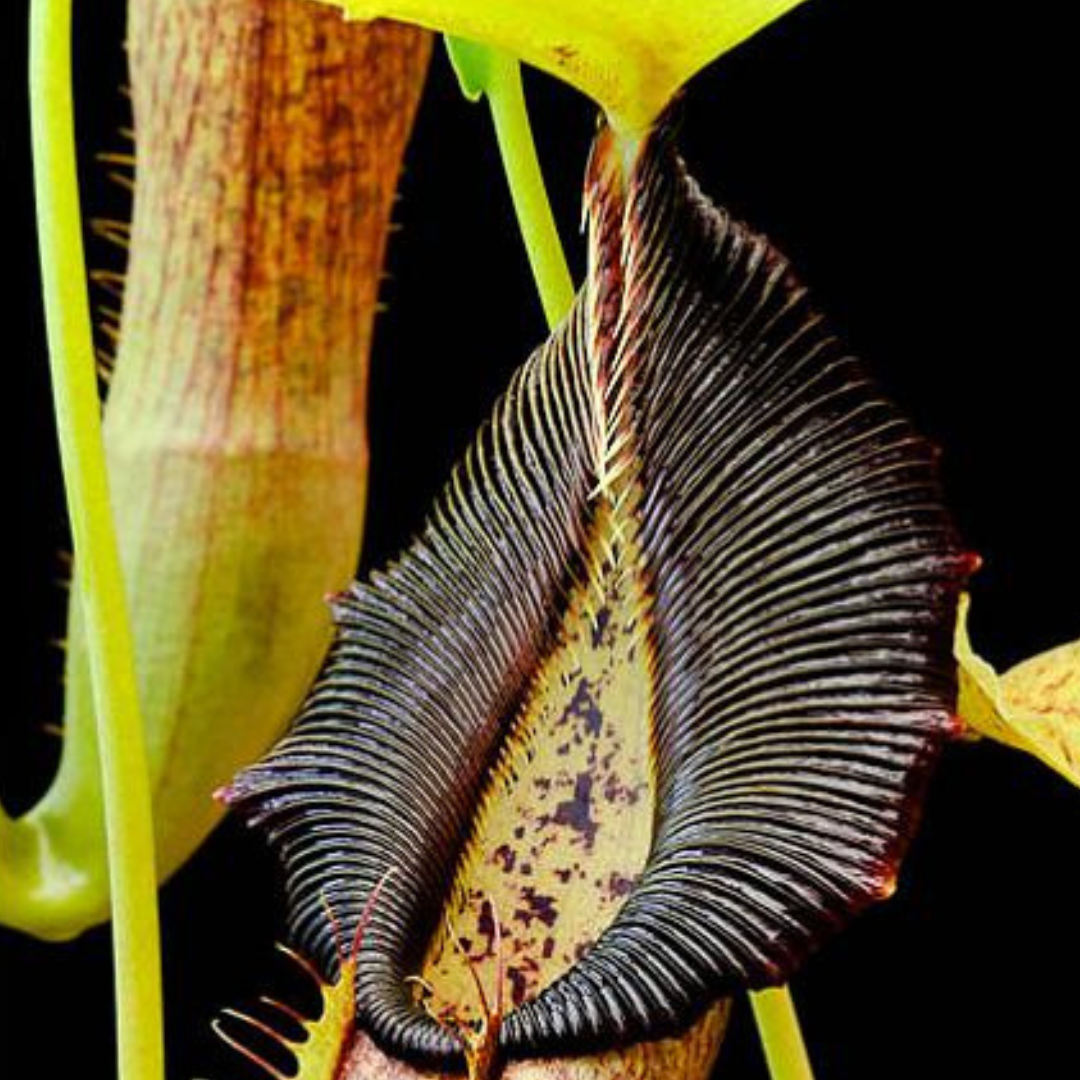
(696, 544)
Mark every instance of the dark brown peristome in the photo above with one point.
(803, 577)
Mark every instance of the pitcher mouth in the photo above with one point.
(694, 528)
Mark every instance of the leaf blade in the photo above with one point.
(1033, 707)
(631, 59)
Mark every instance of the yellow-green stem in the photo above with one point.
(774, 1010)
(781, 1036)
(99, 582)
(536, 222)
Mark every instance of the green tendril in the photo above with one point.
(99, 587)
(781, 1036)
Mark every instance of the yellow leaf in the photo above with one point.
(631, 58)
(1034, 706)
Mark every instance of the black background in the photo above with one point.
(913, 159)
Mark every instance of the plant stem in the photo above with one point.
(536, 222)
(99, 581)
(781, 1037)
